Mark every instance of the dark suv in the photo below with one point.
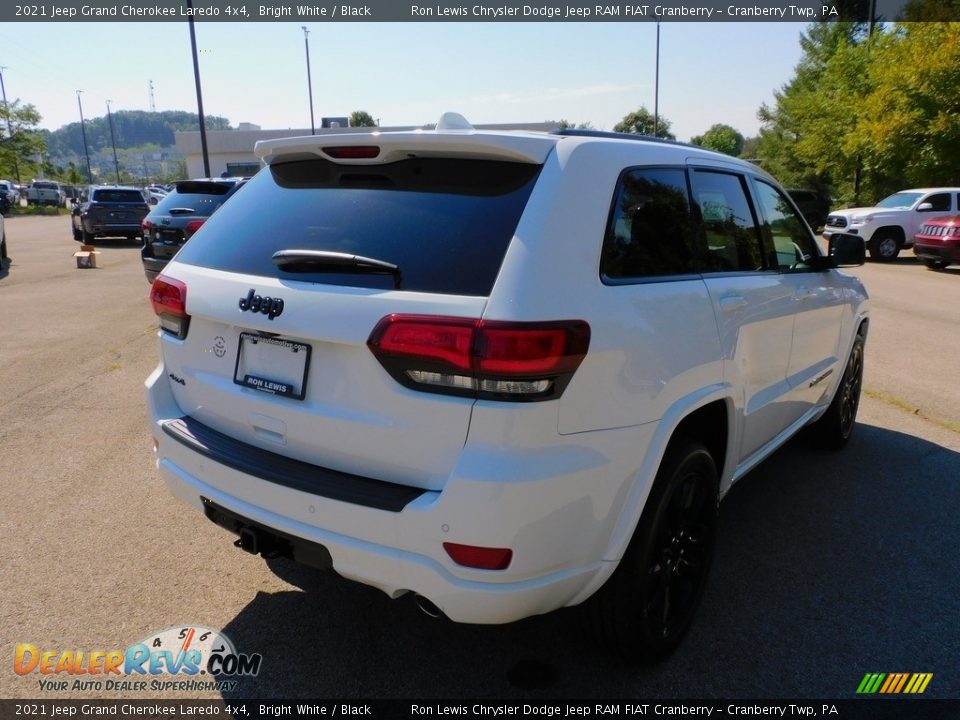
(178, 216)
(814, 206)
(108, 211)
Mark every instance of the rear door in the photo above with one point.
(277, 356)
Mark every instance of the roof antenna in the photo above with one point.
(453, 121)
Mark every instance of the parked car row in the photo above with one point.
(124, 211)
(920, 215)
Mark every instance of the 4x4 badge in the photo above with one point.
(271, 307)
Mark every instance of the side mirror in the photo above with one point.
(846, 250)
(925, 207)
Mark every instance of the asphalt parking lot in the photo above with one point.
(829, 566)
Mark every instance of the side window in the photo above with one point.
(730, 231)
(785, 233)
(650, 231)
(940, 202)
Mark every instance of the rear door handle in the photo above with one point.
(729, 303)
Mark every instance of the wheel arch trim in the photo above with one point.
(642, 481)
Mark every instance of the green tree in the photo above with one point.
(641, 122)
(20, 141)
(722, 138)
(361, 118)
(908, 127)
(804, 137)
(567, 125)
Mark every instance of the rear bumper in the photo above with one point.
(153, 266)
(110, 229)
(557, 517)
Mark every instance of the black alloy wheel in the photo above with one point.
(646, 607)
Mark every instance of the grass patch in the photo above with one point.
(896, 402)
(39, 210)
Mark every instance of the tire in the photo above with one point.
(935, 264)
(833, 430)
(884, 247)
(3, 251)
(647, 605)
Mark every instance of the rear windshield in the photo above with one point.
(118, 196)
(198, 203)
(445, 223)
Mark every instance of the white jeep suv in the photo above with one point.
(507, 372)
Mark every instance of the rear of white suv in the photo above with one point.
(444, 363)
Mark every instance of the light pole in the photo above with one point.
(656, 88)
(16, 163)
(196, 80)
(83, 129)
(306, 47)
(113, 142)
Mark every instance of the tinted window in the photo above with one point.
(118, 196)
(730, 232)
(940, 202)
(650, 231)
(445, 223)
(784, 232)
(198, 203)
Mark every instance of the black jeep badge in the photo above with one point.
(271, 307)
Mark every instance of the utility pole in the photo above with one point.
(113, 142)
(656, 88)
(306, 47)
(83, 129)
(16, 163)
(196, 79)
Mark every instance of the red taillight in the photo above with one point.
(146, 224)
(444, 340)
(483, 558)
(482, 358)
(169, 300)
(194, 225)
(352, 152)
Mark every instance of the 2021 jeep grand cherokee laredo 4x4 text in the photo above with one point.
(507, 372)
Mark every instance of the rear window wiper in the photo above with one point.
(330, 261)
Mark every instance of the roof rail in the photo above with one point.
(575, 132)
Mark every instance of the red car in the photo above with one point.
(938, 242)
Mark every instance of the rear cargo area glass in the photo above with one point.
(446, 223)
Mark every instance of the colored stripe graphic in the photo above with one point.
(894, 683)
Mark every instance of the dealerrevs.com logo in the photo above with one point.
(186, 657)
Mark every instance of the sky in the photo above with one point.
(405, 73)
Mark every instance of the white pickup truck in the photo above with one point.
(890, 225)
(46, 192)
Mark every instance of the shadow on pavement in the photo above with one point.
(829, 565)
